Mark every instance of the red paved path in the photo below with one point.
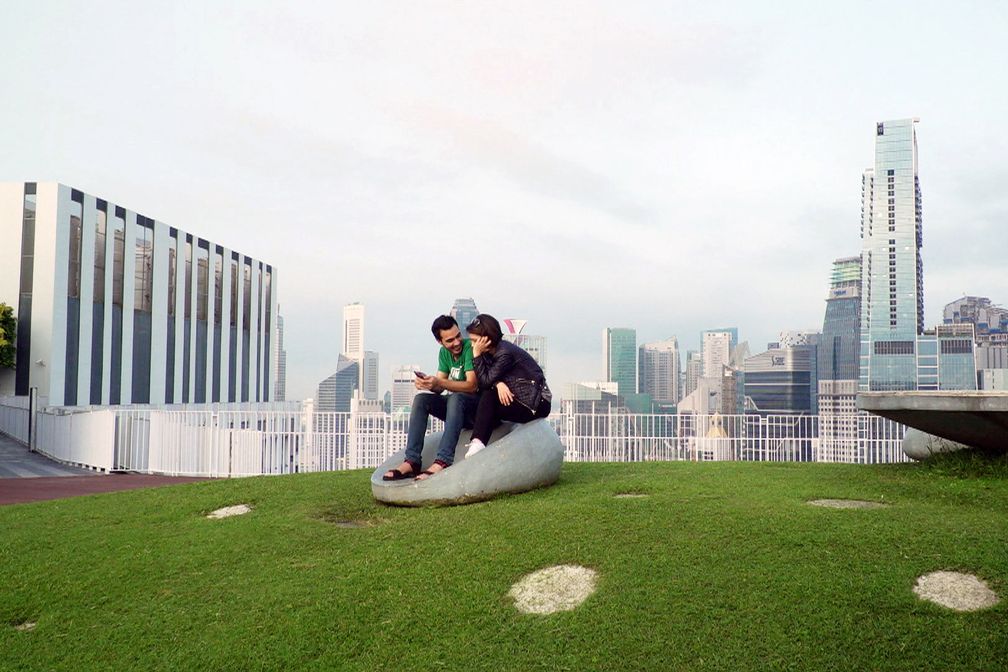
(20, 490)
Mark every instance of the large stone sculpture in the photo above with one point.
(518, 458)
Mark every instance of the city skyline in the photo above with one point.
(665, 169)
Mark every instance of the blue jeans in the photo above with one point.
(457, 409)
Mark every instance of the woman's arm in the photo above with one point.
(490, 369)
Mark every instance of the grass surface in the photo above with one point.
(722, 566)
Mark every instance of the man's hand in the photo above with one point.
(504, 394)
(480, 344)
(425, 383)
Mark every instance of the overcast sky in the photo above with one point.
(668, 166)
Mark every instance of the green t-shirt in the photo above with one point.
(455, 368)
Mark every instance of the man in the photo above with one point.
(455, 375)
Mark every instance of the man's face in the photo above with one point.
(451, 339)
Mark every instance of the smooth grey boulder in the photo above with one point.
(920, 445)
(519, 457)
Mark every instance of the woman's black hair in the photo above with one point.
(486, 325)
(442, 323)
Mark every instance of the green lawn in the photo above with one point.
(723, 566)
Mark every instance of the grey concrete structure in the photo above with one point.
(517, 459)
(920, 445)
(978, 419)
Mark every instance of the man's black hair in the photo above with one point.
(442, 323)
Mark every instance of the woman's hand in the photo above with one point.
(504, 394)
(480, 344)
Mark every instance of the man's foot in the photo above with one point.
(438, 466)
(404, 470)
(474, 447)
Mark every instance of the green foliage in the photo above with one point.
(8, 332)
(721, 567)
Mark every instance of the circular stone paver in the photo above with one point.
(847, 504)
(558, 588)
(961, 592)
(228, 511)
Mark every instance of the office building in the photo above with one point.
(716, 348)
(841, 332)
(989, 321)
(115, 307)
(464, 311)
(783, 380)
(895, 352)
(619, 352)
(353, 349)
(280, 371)
(591, 397)
(694, 371)
(658, 371)
(369, 375)
(353, 331)
(335, 392)
(534, 345)
(403, 389)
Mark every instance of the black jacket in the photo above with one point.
(516, 369)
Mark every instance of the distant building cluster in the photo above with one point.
(114, 307)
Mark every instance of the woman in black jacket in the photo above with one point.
(514, 386)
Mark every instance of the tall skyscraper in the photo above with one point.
(838, 352)
(895, 352)
(531, 343)
(694, 371)
(353, 349)
(464, 311)
(716, 352)
(658, 370)
(336, 391)
(353, 331)
(838, 347)
(892, 288)
(619, 352)
(403, 389)
(369, 375)
(280, 372)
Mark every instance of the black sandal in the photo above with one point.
(400, 475)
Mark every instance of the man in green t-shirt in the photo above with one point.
(456, 376)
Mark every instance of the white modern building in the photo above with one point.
(658, 370)
(716, 350)
(403, 389)
(353, 349)
(115, 307)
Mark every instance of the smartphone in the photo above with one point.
(420, 374)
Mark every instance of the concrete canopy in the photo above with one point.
(978, 419)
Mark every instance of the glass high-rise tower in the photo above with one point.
(895, 352)
(619, 348)
(892, 292)
(839, 344)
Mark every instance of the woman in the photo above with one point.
(514, 385)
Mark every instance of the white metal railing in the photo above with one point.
(14, 418)
(242, 440)
(84, 439)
